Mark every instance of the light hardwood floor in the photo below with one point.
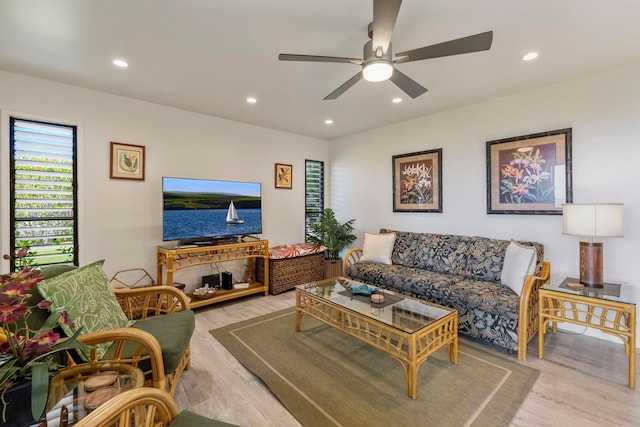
(583, 380)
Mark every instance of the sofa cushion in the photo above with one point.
(378, 247)
(485, 259)
(88, 299)
(445, 253)
(407, 280)
(404, 248)
(173, 332)
(519, 262)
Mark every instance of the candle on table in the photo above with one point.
(377, 298)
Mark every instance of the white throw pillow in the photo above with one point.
(378, 247)
(519, 262)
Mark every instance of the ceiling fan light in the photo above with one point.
(377, 71)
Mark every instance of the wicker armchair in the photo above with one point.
(158, 341)
(143, 348)
(144, 407)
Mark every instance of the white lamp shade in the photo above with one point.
(594, 220)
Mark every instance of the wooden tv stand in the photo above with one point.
(173, 258)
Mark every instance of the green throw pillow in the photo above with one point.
(86, 295)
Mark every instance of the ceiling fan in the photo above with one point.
(378, 62)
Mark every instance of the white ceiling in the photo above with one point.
(208, 56)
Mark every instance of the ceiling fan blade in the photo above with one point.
(407, 84)
(385, 13)
(468, 44)
(346, 85)
(317, 58)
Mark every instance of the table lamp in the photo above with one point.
(592, 220)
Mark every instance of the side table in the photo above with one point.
(611, 309)
(66, 402)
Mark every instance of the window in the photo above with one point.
(43, 178)
(314, 192)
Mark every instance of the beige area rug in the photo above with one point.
(325, 377)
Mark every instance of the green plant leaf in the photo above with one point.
(39, 388)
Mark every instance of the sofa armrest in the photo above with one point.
(151, 301)
(528, 310)
(351, 257)
(140, 347)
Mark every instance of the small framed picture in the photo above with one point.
(284, 176)
(127, 161)
(529, 174)
(417, 181)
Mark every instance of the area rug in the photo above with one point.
(325, 377)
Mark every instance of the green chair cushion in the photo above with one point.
(189, 419)
(86, 295)
(173, 332)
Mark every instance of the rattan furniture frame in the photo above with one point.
(410, 347)
(174, 258)
(587, 307)
(156, 301)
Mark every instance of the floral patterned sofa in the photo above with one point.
(463, 273)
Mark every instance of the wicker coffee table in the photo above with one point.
(407, 329)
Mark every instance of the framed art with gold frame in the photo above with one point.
(127, 161)
(284, 176)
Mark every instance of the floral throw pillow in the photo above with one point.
(88, 299)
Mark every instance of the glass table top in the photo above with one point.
(398, 311)
(623, 293)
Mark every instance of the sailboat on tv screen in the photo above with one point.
(232, 215)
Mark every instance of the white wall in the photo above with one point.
(604, 111)
(121, 220)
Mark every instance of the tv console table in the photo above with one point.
(172, 258)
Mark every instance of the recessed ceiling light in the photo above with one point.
(530, 56)
(120, 63)
(328, 122)
(396, 100)
(251, 100)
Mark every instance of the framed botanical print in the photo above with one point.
(529, 174)
(127, 161)
(417, 181)
(284, 176)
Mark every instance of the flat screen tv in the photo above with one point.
(202, 210)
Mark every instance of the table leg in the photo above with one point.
(632, 349)
(540, 334)
(453, 350)
(298, 311)
(412, 380)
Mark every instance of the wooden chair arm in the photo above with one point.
(138, 407)
(351, 257)
(528, 309)
(141, 346)
(151, 301)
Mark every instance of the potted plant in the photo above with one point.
(335, 236)
(26, 355)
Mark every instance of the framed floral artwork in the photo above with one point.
(417, 181)
(529, 174)
(127, 161)
(284, 176)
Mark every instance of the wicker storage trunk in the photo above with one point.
(286, 273)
